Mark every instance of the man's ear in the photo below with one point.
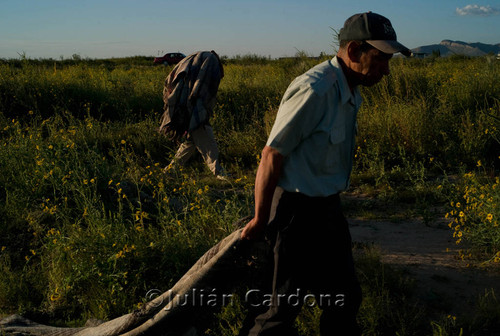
(354, 51)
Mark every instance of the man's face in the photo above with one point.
(373, 65)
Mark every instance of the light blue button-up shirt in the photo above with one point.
(315, 130)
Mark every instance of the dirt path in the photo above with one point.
(430, 254)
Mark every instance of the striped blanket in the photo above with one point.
(189, 93)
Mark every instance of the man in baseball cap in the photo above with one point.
(305, 166)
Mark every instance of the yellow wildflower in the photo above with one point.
(55, 296)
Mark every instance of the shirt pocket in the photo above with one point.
(334, 158)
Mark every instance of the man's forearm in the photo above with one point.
(266, 181)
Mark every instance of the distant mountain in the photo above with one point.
(448, 48)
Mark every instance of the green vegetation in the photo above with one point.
(90, 222)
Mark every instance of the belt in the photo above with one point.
(301, 199)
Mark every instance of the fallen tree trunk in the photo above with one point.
(174, 312)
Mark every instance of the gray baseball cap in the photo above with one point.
(375, 29)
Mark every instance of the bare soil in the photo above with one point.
(427, 250)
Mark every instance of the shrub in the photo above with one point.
(474, 216)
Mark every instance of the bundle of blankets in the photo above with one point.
(190, 93)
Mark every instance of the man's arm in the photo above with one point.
(266, 180)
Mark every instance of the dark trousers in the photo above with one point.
(312, 258)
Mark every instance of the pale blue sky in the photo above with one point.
(112, 28)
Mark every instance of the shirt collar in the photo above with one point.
(346, 95)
